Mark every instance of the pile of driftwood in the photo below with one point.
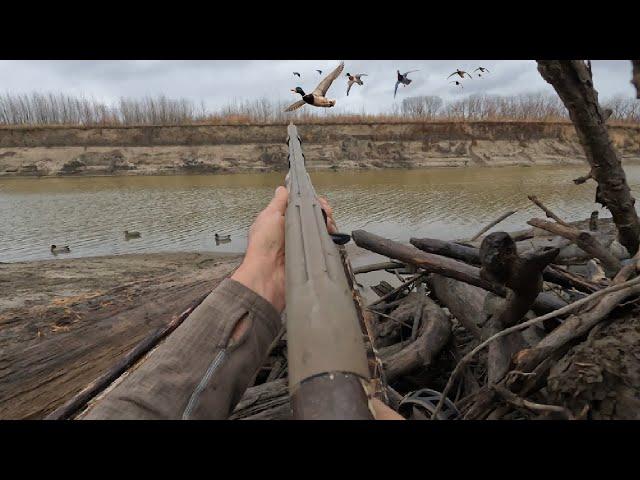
(540, 323)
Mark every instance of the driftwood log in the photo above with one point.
(444, 266)
(573, 82)
(584, 240)
(433, 335)
(472, 255)
(523, 277)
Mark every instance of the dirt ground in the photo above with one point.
(64, 322)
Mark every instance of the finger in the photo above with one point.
(279, 200)
(383, 412)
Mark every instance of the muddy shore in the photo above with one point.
(215, 149)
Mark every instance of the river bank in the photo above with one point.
(216, 149)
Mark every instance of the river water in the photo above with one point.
(182, 213)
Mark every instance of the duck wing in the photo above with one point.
(349, 83)
(294, 106)
(454, 73)
(410, 71)
(465, 73)
(323, 86)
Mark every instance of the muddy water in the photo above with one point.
(182, 213)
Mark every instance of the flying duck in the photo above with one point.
(55, 250)
(482, 69)
(319, 72)
(317, 97)
(354, 79)
(457, 83)
(460, 73)
(296, 73)
(128, 234)
(402, 79)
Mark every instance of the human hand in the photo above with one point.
(262, 269)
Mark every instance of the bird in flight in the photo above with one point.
(403, 79)
(354, 79)
(296, 73)
(319, 72)
(457, 83)
(460, 73)
(317, 98)
(482, 69)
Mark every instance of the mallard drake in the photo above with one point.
(296, 73)
(222, 237)
(354, 79)
(457, 83)
(460, 73)
(402, 79)
(128, 234)
(55, 249)
(317, 97)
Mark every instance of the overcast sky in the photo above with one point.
(217, 82)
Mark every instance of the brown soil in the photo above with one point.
(64, 322)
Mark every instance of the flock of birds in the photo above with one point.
(128, 235)
(317, 98)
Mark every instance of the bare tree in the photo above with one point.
(573, 82)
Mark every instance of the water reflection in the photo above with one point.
(183, 213)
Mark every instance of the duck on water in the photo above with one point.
(56, 250)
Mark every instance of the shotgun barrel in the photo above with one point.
(328, 370)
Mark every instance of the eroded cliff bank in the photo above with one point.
(153, 150)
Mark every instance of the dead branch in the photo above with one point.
(517, 401)
(574, 85)
(546, 211)
(626, 289)
(583, 179)
(377, 266)
(434, 334)
(492, 224)
(584, 240)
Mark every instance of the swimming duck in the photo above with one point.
(222, 237)
(317, 97)
(402, 79)
(460, 73)
(55, 249)
(354, 79)
(457, 83)
(128, 234)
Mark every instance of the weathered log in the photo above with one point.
(373, 267)
(636, 76)
(442, 265)
(472, 255)
(584, 240)
(266, 401)
(434, 334)
(574, 84)
(493, 224)
(448, 249)
(546, 211)
(573, 327)
(464, 301)
(523, 277)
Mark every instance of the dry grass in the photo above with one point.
(62, 110)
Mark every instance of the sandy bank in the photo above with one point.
(153, 150)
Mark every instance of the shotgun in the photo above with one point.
(329, 376)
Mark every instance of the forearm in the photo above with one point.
(199, 372)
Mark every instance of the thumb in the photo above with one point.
(279, 200)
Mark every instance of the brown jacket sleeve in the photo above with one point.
(196, 373)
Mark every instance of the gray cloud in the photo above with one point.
(217, 82)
